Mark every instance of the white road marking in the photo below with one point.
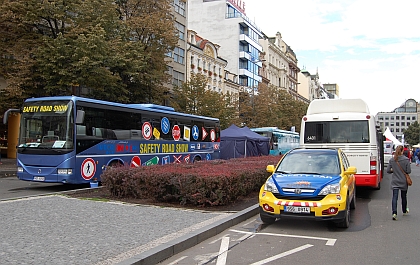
(330, 241)
(224, 247)
(219, 238)
(244, 237)
(176, 261)
(284, 254)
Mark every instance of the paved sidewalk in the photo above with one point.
(55, 229)
(7, 167)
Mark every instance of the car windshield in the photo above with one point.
(310, 163)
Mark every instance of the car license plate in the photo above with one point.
(295, 209)
(39, 178)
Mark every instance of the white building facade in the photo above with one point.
(225, 22)
(398, 120)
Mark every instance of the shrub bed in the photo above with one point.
(203, 183)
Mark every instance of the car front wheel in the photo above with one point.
(265, 218)
(345, 222)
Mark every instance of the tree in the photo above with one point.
(187, 97)
(412, 134)
(192, 97)
(151, 24)
(274, 107)
(115, 49)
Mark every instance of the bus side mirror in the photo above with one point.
(80, 116)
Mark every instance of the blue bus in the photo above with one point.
(281, 141)
(69, 139)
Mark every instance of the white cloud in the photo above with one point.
(369, 48)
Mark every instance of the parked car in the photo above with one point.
(310, 183)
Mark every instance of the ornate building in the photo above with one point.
(280, 65)
(203, 58)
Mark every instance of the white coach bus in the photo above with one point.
(346, 124)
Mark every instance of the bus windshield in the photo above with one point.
(336, 132)
(46, 127)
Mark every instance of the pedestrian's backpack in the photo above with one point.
(418, 154)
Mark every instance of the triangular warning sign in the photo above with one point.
(204, 133)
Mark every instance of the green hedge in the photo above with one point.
(203, 183)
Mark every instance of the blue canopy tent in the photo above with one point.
(238, 142)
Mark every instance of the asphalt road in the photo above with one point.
(373, 237)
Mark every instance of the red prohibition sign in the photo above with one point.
(88, 168)
(146, 130)
(176, 132)
(135, 162)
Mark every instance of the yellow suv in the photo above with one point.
(310, 183)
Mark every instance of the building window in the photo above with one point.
(397, 124)
(397, 130)
(386, 118)
(386, 123)
(413, 118)
(402, 123)
(179, 54)
(397, 117)
(402, 117)
(178, 78)
(408, 118)
(181, 30)
(179, 7)
(392, 118)
(381, 118)
(408, 124)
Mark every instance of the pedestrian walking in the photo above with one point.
(397, 164)
(416, 156)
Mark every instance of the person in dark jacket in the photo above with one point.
(398, 180)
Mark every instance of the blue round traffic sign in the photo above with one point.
(195, 132)
(165, 125)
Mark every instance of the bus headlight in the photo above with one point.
(65, 171)
(20, 169)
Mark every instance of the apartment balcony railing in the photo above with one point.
(240, 15)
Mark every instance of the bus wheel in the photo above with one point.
(379, 186)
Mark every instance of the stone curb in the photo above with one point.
(182, 243)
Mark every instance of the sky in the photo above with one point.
(370, 48)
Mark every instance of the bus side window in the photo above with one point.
(136, 134)
(80, 130)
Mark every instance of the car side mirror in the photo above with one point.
(351, 170)
(270, 168)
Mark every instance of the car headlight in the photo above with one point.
(331, 189)
(270, 186)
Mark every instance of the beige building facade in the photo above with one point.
(203, 58)
(332, 89)
(280, 65)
